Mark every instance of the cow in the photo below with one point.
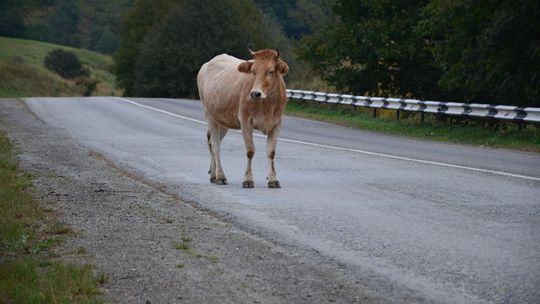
(246, 95)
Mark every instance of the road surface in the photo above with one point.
(442, 222)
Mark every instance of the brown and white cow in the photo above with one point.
(246, 95)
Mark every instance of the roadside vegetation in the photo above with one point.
(463, 51)
(88, 24)
(490, 133)
(24, 73)
(30, 267)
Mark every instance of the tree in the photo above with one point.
(63, 24)
(102, 40)
(190, 33)
(370, 48)
(487, 50)
(135, 26)
(11, 19)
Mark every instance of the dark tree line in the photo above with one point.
(90, 24)
(464, 50)
(165, 42)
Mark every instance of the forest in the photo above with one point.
(482, 51)
(89, 24)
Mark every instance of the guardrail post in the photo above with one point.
(397, 114)
(422, 114)
(374, 112)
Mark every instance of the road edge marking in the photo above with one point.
(161, 111)
(306, 143)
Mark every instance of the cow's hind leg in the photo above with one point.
(216, 135)
(212, 170)
(271, 142)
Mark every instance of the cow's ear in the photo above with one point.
(282, 67)
(245, 67)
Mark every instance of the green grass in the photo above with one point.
(506, 135)
(184, 246)
(18, 80)
(29, 233)
(24, 74)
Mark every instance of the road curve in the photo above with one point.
(413, 219)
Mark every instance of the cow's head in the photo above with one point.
(267, 68)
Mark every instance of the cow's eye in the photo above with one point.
(270, 72)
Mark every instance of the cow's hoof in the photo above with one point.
(221, 181)
(274, 184)
(213, 180)
(248, 184)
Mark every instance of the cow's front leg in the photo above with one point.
(271, 142)
(247, 134)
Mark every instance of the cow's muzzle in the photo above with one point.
(256, 95)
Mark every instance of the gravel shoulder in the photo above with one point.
(156, 248)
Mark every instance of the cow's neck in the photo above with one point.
(273, 106)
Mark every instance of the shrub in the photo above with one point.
(87, 85)
(65, 63)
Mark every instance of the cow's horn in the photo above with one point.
(251, 52)
(277, 50)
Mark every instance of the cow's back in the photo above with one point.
(220, 85)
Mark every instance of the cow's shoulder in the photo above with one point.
(222, 70)
(223, 61)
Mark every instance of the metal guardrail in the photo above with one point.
(519, 114)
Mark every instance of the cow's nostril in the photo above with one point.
(256, 94)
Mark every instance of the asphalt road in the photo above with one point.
(412, 219)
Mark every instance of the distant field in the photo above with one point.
(24, 74)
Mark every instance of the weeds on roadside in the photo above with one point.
(29, 233)
(458, 130)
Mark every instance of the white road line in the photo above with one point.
(161, 111)
(347, 149)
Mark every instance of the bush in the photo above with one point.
(66, 64)
(87, 85)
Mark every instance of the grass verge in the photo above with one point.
(24, 74)
(470, 131)
(30, 271)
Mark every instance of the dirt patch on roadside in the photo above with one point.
(156, 248)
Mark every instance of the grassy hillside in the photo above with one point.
(24, 74)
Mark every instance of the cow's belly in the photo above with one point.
(225, 114)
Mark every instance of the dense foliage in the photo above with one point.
(370, 49)
(163, 46)
(90, 24)
(486, 51)
(65, 63)
(296, 17)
